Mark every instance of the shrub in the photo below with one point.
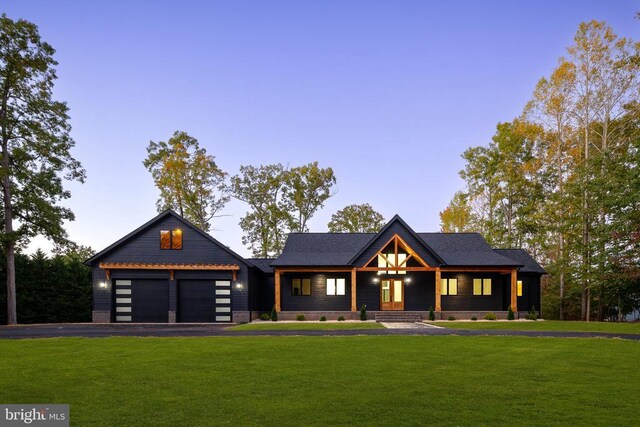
(533, 315)
(363, 313)
(490, 316)
(341, 318)
(323, 319)
(510, 315)
(300, 318)
(474, 318)
(265, 316)
(432, 315)
(274, 314)
(451, 318)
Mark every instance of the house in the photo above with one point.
(168, 270)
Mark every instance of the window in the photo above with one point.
(519, 288)
(482, 286)
(449, 286)
(336, 286)
(382, 263)
(300, 287)
(171, 239)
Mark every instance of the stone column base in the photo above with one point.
(172, 317)
(241, 317)
(101, 316)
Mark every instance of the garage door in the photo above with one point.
(142, 301)
(204, 301)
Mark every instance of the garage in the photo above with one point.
(204, 301)
(141, 301)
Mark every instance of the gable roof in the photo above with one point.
(522, 256)
(395, 220)
(467, 249)
(157, 218)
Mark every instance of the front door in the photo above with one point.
(391, 294)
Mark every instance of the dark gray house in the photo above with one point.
(170, 271)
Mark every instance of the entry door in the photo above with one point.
(391, 295)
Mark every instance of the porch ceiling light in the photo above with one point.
(376, 280)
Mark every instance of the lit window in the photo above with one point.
(382, 263)
(171, 239)
(482, 286)
(336, 286)
(519, 288)
(165, 239)
(449, 286)
(301, 287)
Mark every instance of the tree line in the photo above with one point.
(280, 199)
(562, 180)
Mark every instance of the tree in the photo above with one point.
(306, 189)
(457, 216)
(265, 225)
(188, 178)
(356, 219)
(36, 145)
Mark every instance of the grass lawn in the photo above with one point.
(365, 380)
(305, 326)
(549, 325)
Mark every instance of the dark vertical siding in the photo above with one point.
(530, 292)
(318, 300)
(466, 301)
(420, 294)
(367, 291)
(406, 235)
(266, 292)
(101, 296)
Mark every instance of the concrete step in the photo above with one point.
(398, 317)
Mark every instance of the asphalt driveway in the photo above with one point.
(89, 330)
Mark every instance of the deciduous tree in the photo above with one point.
(356, 219)
(36, 145)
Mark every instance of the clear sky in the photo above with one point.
(387, 93)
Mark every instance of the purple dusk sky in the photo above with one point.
(387, 93)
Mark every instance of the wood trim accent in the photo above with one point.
(313, 270)
(142, 266)
(397, 242)
(438, 290)
(476, 270)
(277, 289)
(354, 306)
(171, 274)
(514, 290)
(395, 268)
(107, 273)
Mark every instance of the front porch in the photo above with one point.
(387, 316)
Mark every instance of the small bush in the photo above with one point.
(363, 313)
(341, 319)
(323, 319)
(451, 318)
(300, 318)
(432, 315)
(490, 316)
(265, 316)
(533, 315)
(274, 314)
(510, 315)
(474, 318)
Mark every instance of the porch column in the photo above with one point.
(514, 290)
(277, 289)
(353, 290)
(438, 289)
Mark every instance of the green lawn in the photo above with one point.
(364, 380)
(549, 325)
(305, 326)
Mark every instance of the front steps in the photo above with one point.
(398, 316)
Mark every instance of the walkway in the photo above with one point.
(208, 330)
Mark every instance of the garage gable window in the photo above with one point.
(171, 239)
(301, 287)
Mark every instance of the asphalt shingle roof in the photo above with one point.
(523, 257)
(321, 249)
(466, 249)
(262, 264)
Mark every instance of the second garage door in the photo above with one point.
(204, 301)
